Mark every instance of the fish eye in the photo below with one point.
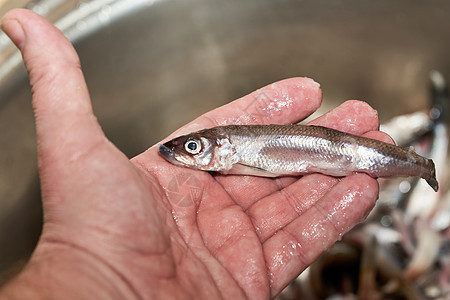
(193, 146)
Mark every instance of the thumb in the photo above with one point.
(65, 124)
(60, 97)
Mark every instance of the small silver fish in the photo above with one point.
(277, 150)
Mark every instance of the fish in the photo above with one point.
(405, 129)
(284, 150)
(438, 144)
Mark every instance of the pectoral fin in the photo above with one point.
(241, 169)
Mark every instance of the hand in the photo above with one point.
(143, 228)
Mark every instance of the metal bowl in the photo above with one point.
(152, 66)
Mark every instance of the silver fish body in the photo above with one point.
(277, 150)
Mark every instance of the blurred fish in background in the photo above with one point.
(402, 250)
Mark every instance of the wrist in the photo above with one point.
(61, 272)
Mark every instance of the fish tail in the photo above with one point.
(433, 183)
(431, 180)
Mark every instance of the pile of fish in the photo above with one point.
(402, 250)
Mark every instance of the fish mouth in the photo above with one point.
(166, 152)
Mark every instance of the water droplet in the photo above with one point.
(404, 186)
(386, 221)
(435, 113)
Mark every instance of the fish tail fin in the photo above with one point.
(433, 183)
(431, 180)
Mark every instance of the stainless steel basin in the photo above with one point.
(152, 66)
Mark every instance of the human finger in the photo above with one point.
(282, 102)
(352, 116)
(299, 243)
(65, 123)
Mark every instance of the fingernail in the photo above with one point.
(14, 30)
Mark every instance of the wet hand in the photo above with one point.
(143, 228)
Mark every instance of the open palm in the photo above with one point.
(144, 228)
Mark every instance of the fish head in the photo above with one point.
(199, 150)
